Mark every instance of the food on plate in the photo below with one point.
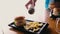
(33, 26)
(20, 21)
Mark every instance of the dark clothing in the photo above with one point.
(53, 16)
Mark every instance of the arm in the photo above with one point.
(32, 2)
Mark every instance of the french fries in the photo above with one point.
(33, 25)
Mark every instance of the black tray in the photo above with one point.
(45, 25)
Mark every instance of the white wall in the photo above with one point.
(9, 9)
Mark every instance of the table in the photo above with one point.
(51, 28)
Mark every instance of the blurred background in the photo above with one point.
(9, 9)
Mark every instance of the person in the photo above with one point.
(56, 10)
(32, 2)
(56, 13)
(50, 8)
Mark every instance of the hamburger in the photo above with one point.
(20, 21)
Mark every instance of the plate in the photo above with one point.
(45, 25)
